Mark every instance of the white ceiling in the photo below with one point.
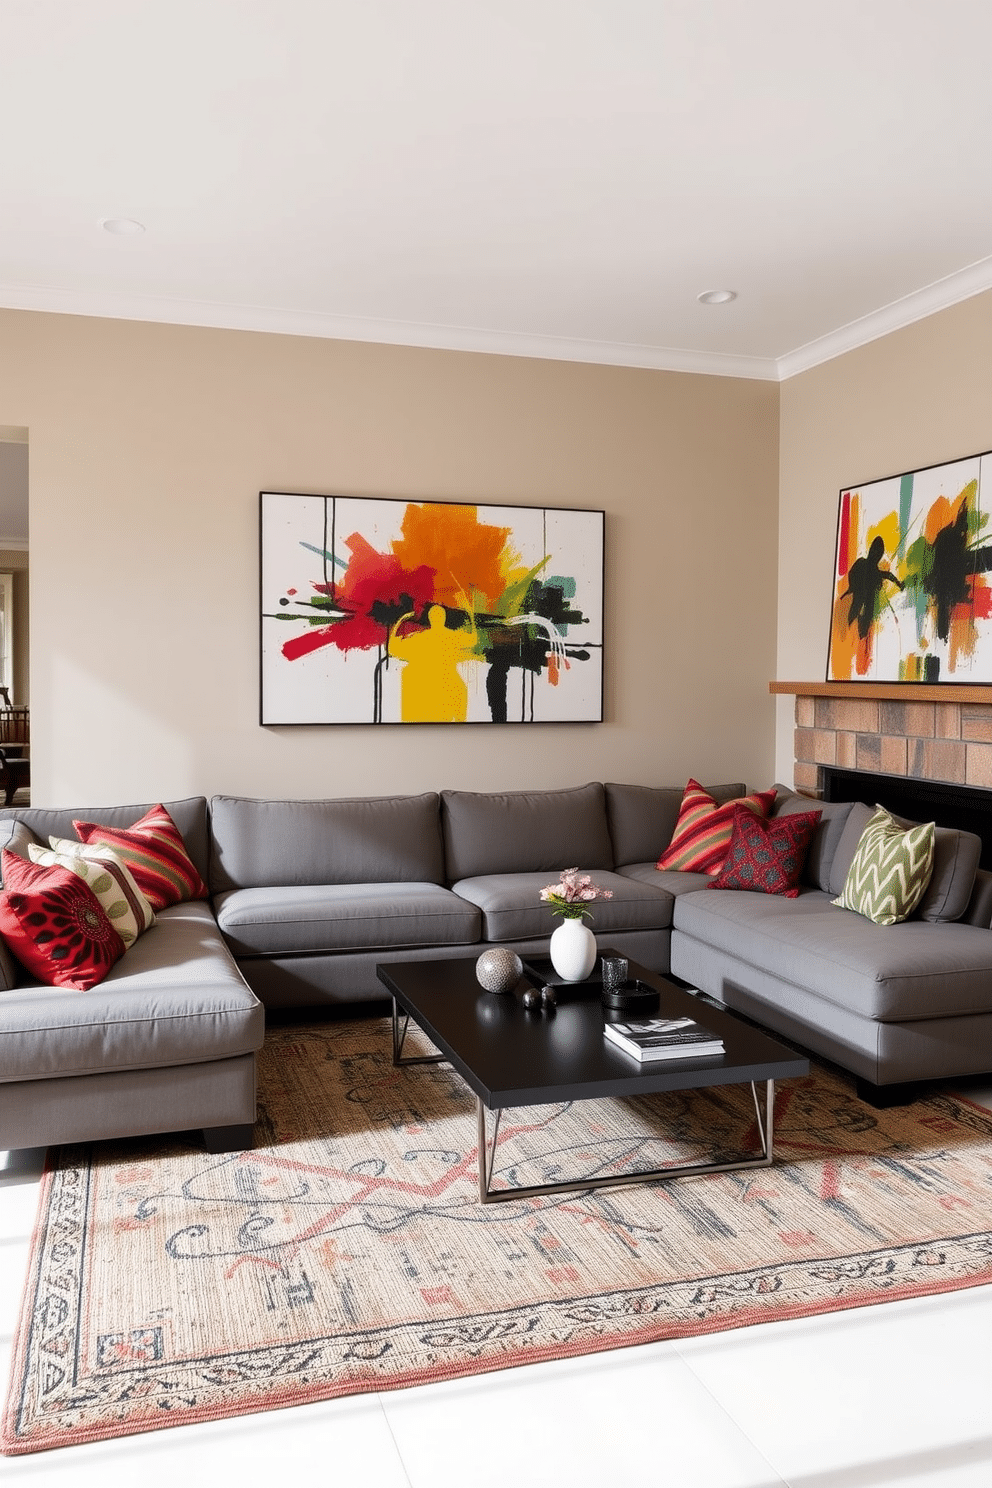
(544, 177)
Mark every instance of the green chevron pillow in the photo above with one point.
(890, 870)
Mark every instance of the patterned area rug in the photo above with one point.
(349, 1252)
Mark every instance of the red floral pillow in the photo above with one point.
(55, 925)
(702, 833)
(767, 856)
(154, 851)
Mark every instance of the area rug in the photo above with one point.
(348, 1251)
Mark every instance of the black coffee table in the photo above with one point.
(510, 1056)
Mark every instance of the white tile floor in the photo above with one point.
(878, 1397)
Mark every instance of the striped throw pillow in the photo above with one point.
(890, 870)
(154, 851)
(701, 839)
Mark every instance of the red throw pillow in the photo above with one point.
(154, 851)
(702, 833)
(768, 856)
(55, 925)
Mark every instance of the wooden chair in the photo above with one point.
(15, 772)
(15, 726)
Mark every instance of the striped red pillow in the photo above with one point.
(154, 851)
(701, 839)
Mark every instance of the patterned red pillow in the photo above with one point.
(154, 851)
(55, 925)
(767, 856)
(702, 833)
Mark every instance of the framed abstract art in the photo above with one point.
(376, 610)
(912, 600)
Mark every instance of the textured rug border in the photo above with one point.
(759, 1282)
(12, 1446)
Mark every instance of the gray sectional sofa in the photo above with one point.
(308, 897)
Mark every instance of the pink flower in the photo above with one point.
(572, 893)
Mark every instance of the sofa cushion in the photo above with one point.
(175, 998)
(890, 869)
(979, 911)
(703, 830)
(189, 815)
(767, 857)
(524, 831)
(370, 839)
(344, 917)
(512, 908)
(833, 817)
(642, 817)
(956, 857)
(55, 925)
(896, 974)
(673, 882)
(15, 837)
(851, 834)
(153, 849)
(107, 875)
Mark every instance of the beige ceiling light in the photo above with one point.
(717, 296)
(122, 226)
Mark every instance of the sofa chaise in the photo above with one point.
(166, 1042)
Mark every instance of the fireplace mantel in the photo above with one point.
(889, 692)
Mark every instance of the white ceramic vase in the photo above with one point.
(573, 950)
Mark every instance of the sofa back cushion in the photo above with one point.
(524, 831)
(823, 848)
(955, 866)
(858, 818)
(373, 839)
(979, 911)
(189, 815)
(642, 817)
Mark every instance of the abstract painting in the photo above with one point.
(912, 600)
(376, 610)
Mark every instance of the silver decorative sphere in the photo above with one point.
(499, 970)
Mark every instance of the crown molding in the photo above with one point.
(385, 332)
(951, 290)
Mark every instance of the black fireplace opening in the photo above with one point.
(963, 807)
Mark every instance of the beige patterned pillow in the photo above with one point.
(111, 881)
(890, 870)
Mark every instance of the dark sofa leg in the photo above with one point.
(228, 1138)
(884, 1096)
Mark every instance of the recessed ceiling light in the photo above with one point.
(717, 296)
(122, 226)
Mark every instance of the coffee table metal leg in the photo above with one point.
(487, 1160)
(399, 1034)
(766, 1120)
(487, 1157)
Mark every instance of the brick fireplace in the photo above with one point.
(930, 737)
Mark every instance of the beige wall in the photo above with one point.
(150, 443)
(917, 397)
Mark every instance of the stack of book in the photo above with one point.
(664, 1038)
